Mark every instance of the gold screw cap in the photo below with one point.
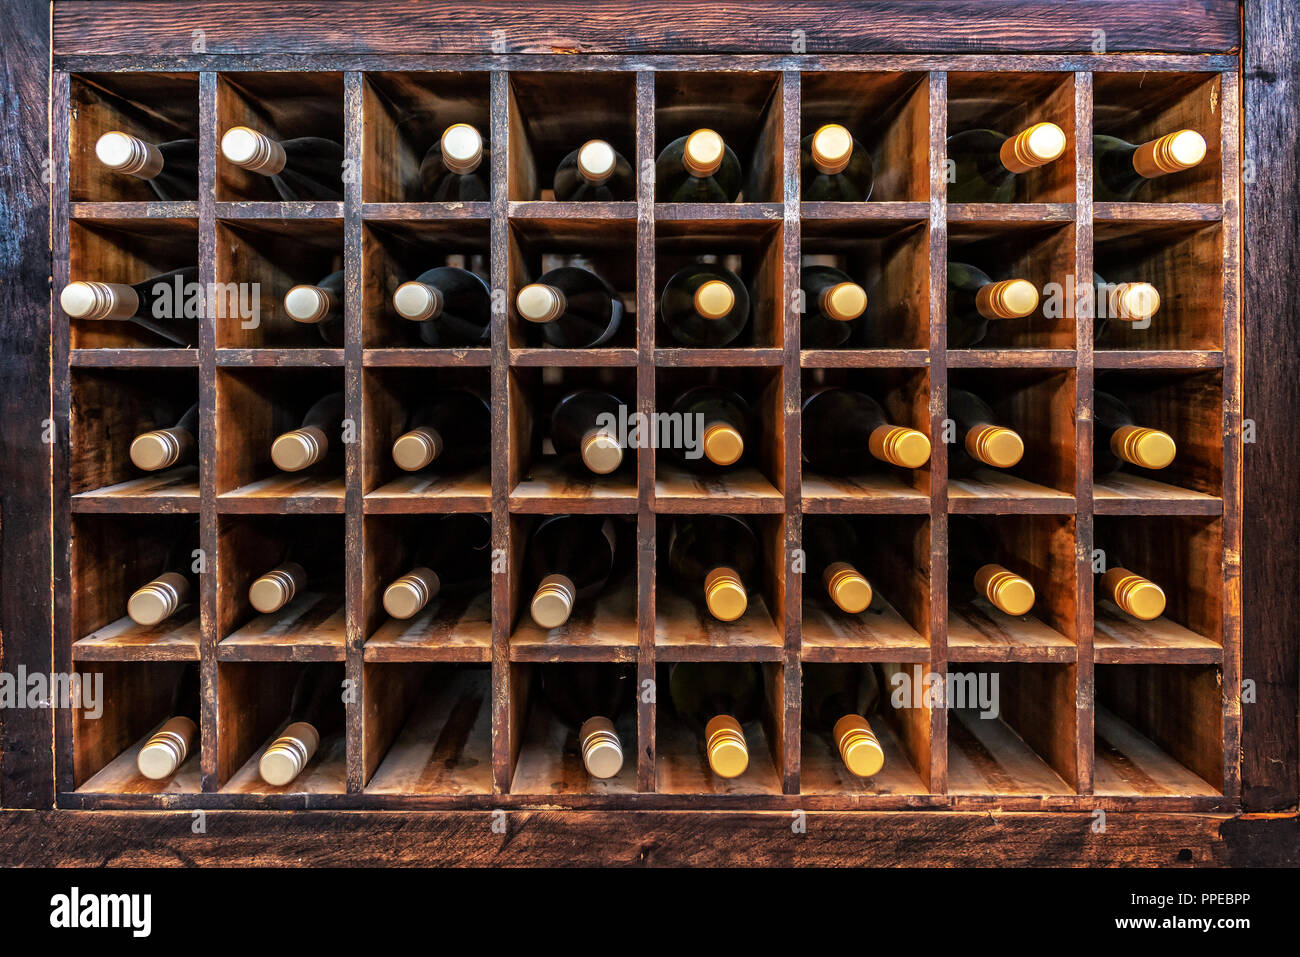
(724, 594)
(1005, 589)
(296, 450)
(553, 601)
(601, 452)
(1134, 594)
(1170, 153)
(1138, 445)
(848, 587)
(288, 754)
(602, 752)
(703, 153)
(156, 450)
(995, 445)
(405, 597)
(1033, 147)
(859, 747)
(416, 449)
(158, 600)
(725, 744)
(714, 299)
(462, 148)
(832, 148)
(844, 301)
(1007, 299)
(723, 444)
(901, 446)
(1134, 301)
(596, 161)
(275, 589)
(167, 748)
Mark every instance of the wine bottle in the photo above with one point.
(171, 169)
(832, 552)
(1122, 169)
(595, 171)
(588, 698)
(1133, 594)
(164, 448)
(847, 433)
(981, 440)
(833, 303)
(835, 167)
(715, 699)
(1117, 439)
(1125, 302)
(453, 556)
(584, 424)
(174, 586)
(974, 576)
(452, 429)
(169, 746)
(453, 170)
(452, 306)
(311, 558)
(974, 299)
(307, 167)
(714, 558)
(575, 308)
(705, 304)
(315, 712)
(320, 305)
(837, 699)
(157, 304)
(724, 420)
(985, 163)
(697, 168)
(317, 441)
(571, 558)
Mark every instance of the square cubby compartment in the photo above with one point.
(280, 588)
(405, 117)
(162, 109)
(574, 726)
(258, 262)
(553, 114)
(136, 583)
(261, 707)
(1012, 728)
(745, 109)
(283, 106)
(1012, 588)
(258, 407)
(572, 587)
(890, 755)
(745, 255)
(123, 704)
(719, 433)
(748, 754)
(1006, 104)
(1159, 731)
(866, 587)
(135, 435)
(842, 410)
(426, 587)
(1159, 588)
(720, 586)
(428, 439)
(1143, 106)
(394, 253)
(574, 438)
(888, 114)
(1010, 440)
(606, 248)
(889, 261)
(1184, 413)
(428, 729)
(158, 255)
(1184, 262)
(1042, 255)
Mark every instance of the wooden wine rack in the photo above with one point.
(1098, 711)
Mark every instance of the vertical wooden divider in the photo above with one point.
(1085, 686)
(209, 536)
(787, 309)
(353, 402)
(645, 405)
(938, 630)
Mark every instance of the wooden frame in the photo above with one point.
(1072, 760)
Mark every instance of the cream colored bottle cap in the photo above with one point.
(602, 752)
(1005, 589)
(844, 301)
(552, 603)
(167, 748)
(158, 449)
(1133, 301)
(1032, 147)
(416, 449)
(275, 589)
(601, 452)
(299, 449)
(538, 302)
(899, 445)
(847, 587)
(286, 756)
(462, 148)
(832, 148)
(158, 600)
(99, 300)
(406, 596)
(254, 151)
(596, 161)
(1134, 594)
(124, 153)
(1170, 153)
(724, 742)
(1148, 448)
(703, 153)
(723, 444)
(724, 594)
(714, 299)
(417, 301)
(995, 445)
(307, 303)
(858, 745)
(1007, 299)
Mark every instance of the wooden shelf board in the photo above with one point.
(979, 632)
(992, 490)
(457, 628)
(685, 631)
(151, 209)
(681, 766)
(878, 634)
(550, 759)
(1122, 639)
(176, 490)
(309, 628)
(285, 493)
(604, 629)
(142, 357)
(742, 489)
(985, 756)
(1157, 359)
(551, 209)
(429, 491)
(669, 356)
(415, 357)
(276, 209)
(716, 213)
(1011, 212)
(325, 773)
(548, 356)
(458, 211)
(1011, 359)
(864, 358)
(1156, 212)
(1127, 493)
(822, 770)
(122, 776)
(1131, 765)
(294, 357)
(878, 492)
(554, 487)
(175, 639)
(899, 213)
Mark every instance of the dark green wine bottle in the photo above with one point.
(1122, 169)
(699, 168)
(835, 167)
(974, 299)
(985, 163)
